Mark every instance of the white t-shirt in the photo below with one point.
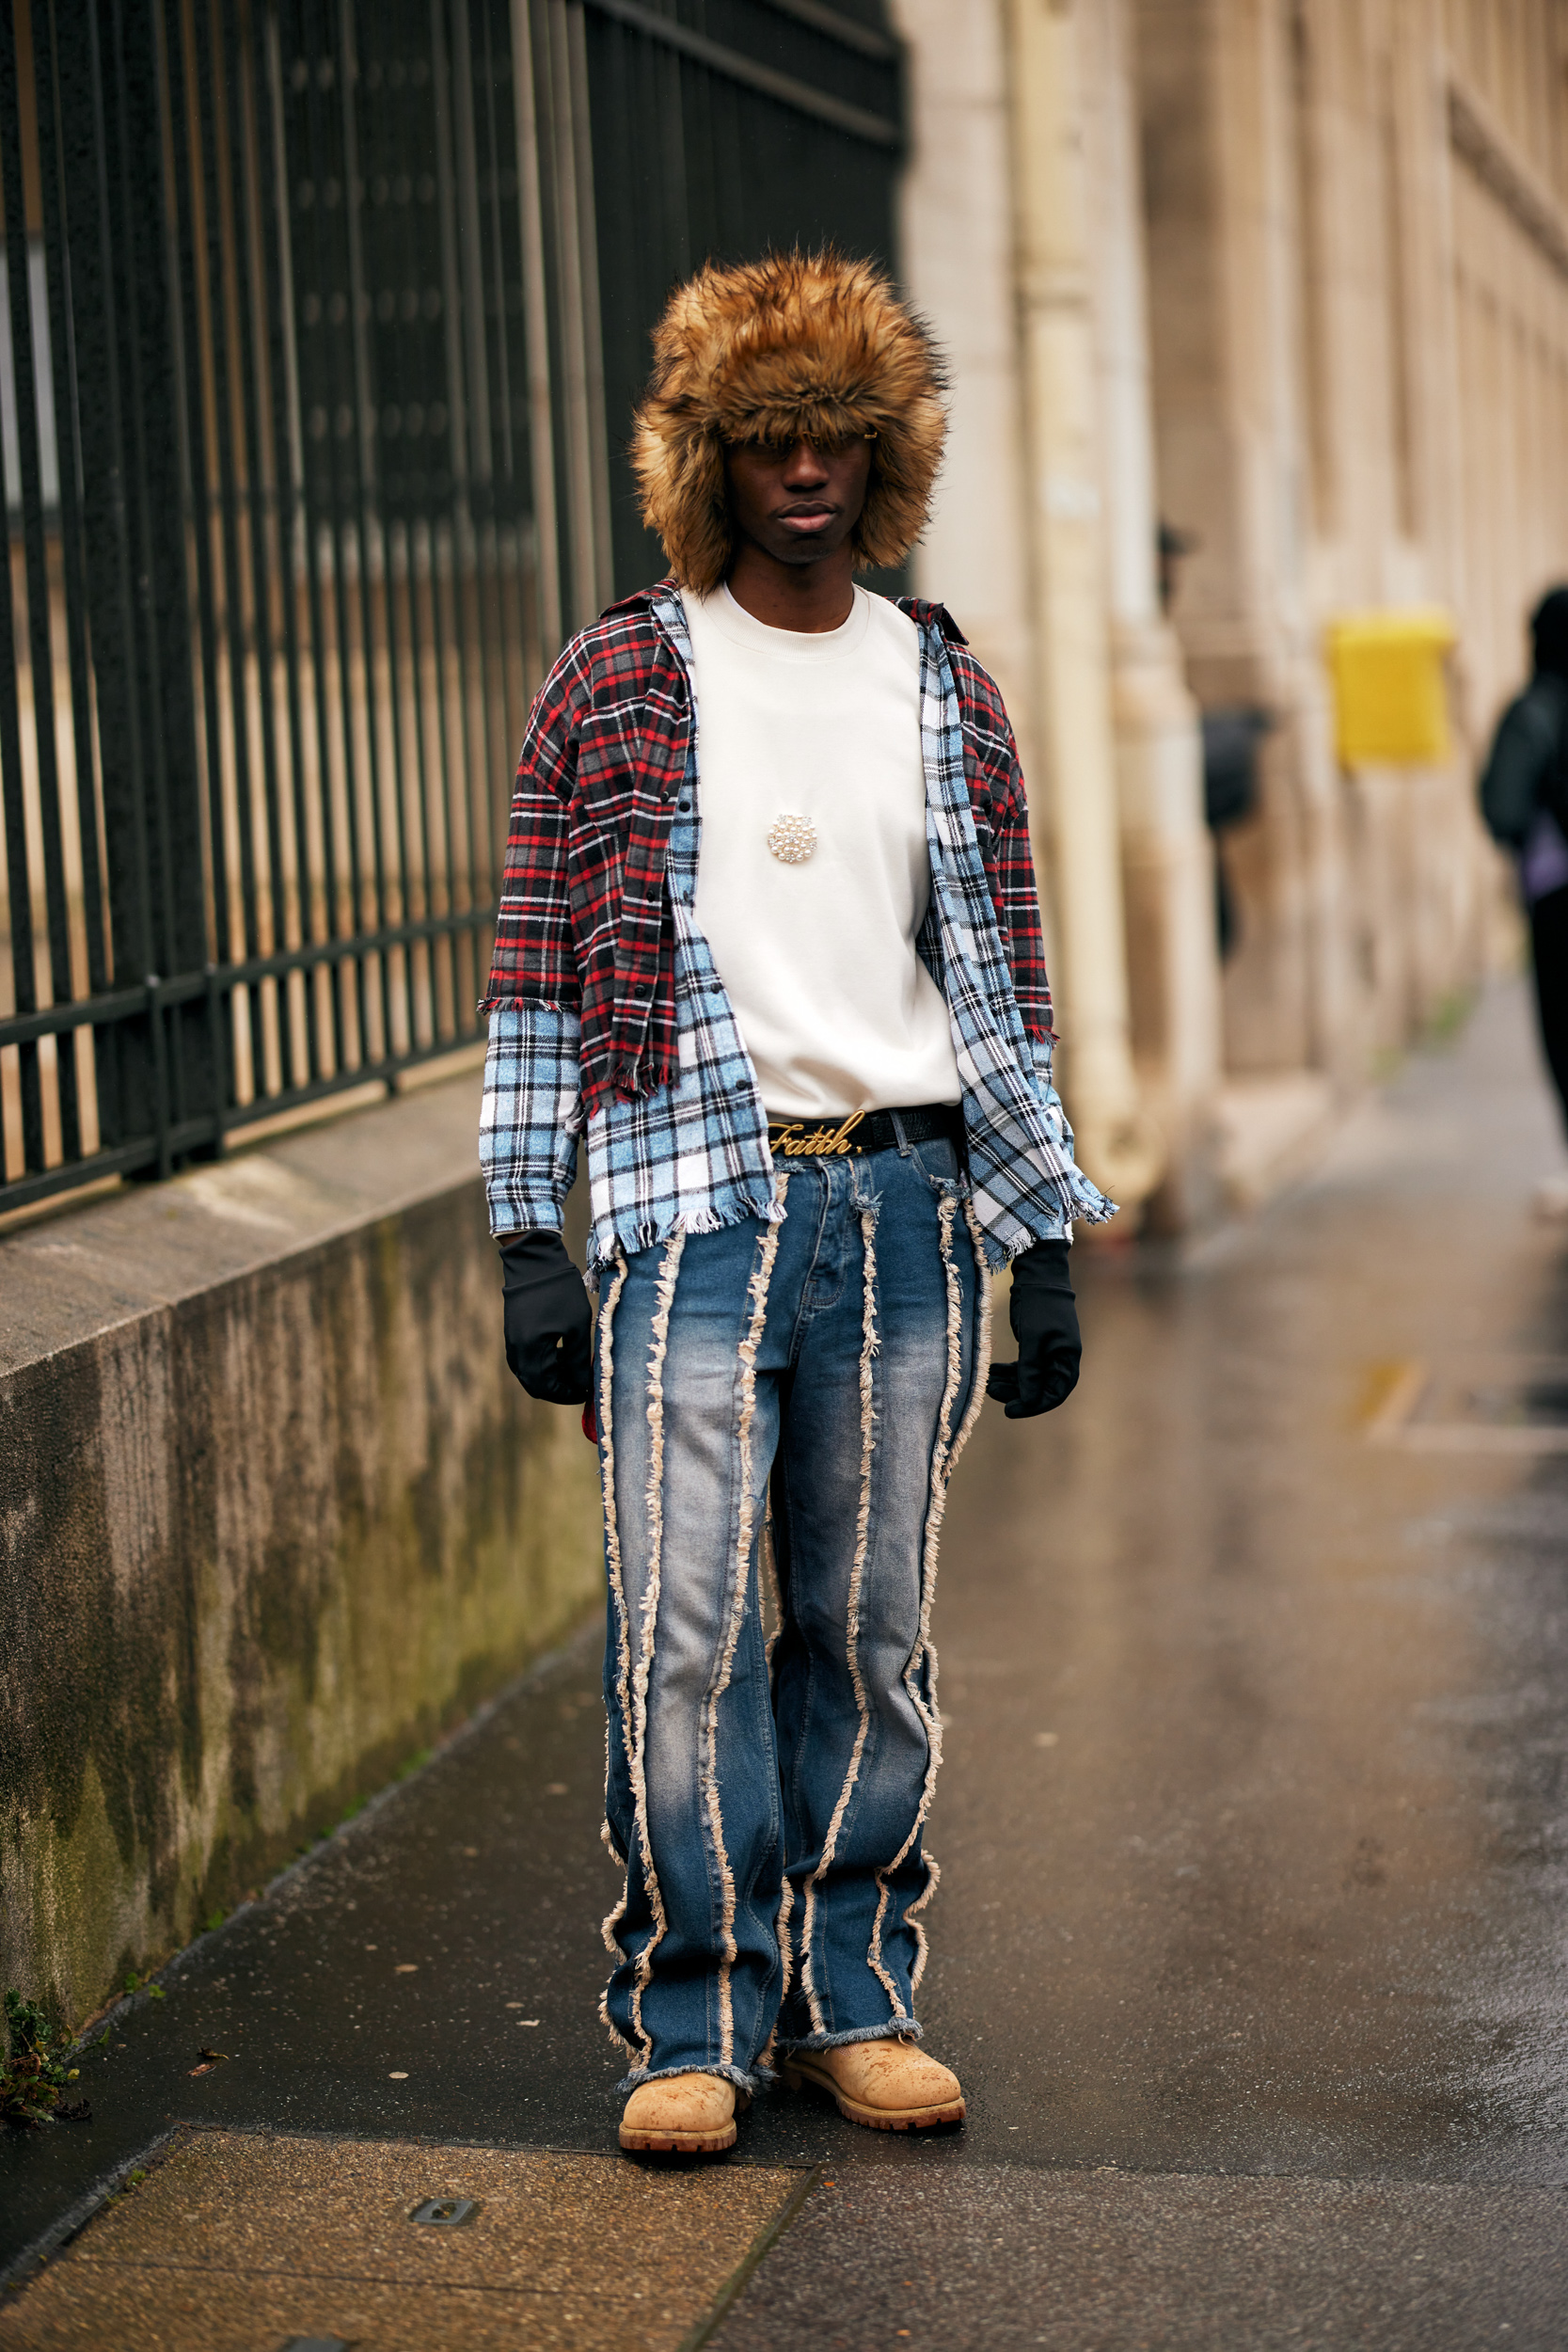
(817, 956)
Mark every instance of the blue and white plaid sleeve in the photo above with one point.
(531, 1116)
(1056, 1118)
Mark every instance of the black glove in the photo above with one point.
(1045, 1325)
(549, 1325)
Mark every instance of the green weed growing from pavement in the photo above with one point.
(34, 2073)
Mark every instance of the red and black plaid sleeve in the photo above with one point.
(1002, 817)
(584, 919)
(534, 962)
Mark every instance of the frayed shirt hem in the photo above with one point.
(733, 1206)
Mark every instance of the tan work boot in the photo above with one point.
(688, 2115)
(892, 2085)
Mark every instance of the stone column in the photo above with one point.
(1166, 853)
(1220, 197)
(1014, 548)
(1119, 1143)
(957, 263)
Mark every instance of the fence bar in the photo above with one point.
(54, 185)
(281, 410)
(40, 655)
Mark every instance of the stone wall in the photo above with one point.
(274, 1515)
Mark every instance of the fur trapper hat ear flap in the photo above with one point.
(796, 346)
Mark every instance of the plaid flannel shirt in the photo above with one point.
(606, 1010)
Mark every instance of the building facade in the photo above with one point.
(1260, 315)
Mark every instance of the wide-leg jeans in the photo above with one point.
(780, 1407)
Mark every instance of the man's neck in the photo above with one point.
(811, 597)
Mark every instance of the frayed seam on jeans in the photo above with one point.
(707, 1775)
(751, 2081)
(637, 1746)
(923, 1658)
(896, 2030)
(870, 1345)
(609, 1930)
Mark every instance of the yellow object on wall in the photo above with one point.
(1390, 695)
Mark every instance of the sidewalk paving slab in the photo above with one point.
(245, 2240)
(1008, 2257)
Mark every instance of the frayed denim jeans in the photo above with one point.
(780, 1410)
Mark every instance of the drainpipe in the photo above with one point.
(1077, 844)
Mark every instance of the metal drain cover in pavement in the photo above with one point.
(445, 2212)
(1494, 1404)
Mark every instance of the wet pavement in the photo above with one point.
(1251, 1941)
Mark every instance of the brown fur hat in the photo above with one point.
(796, 346)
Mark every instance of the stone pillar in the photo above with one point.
(1023, 573)
(1166, 854)
(1119, 1141)
(1220, 205)
(958, 262)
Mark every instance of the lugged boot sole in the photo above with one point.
(796, 2075)
(677, 2143)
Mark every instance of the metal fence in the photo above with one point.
(314, 317)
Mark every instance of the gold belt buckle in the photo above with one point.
(798, 1143)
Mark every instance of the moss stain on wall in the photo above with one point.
(265, 1545)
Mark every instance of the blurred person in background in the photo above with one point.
(769, 938)
(1524, 800)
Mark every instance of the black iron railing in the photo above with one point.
(320, 322)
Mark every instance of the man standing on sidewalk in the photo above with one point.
(770, 931)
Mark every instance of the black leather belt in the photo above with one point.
(864, 1131)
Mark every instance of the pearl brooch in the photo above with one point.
(792, 839)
